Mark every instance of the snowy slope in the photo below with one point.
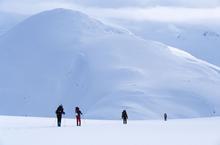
(43, 131)
(201, 40)
(9, 20)
(64, 56)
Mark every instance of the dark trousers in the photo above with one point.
(59, 118)
(165, 118)
(124, 121)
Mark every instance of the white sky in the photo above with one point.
(147, 3)
(138, 10)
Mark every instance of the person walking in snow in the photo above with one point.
(165, 116)
(59, 113)
(78, 116)
(124, 116)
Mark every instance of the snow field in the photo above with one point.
(43, 131)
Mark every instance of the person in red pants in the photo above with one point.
(78, 116)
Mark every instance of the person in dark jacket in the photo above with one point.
(59, 113)
(165, 116)
(78, 116)
(124, 116)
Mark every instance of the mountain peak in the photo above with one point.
(61, 12)
(62, 23)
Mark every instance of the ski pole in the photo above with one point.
(83, 119)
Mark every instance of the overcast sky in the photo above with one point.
(145, 3)
(159, 10)
(123, 3)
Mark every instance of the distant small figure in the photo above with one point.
(78, 116)
(213, 112)
(165, 116)
(124, 116)
(59, 113)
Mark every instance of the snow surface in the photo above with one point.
(64, 56)
(43, 131)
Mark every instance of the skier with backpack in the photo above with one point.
(59, 113)
(165, 116)
(78, 116)
(124, 116)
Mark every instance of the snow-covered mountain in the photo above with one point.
(201, 40)
(64, 56)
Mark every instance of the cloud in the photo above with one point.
(148, 3)
(129, 10)
(34, 6)
(163, 14)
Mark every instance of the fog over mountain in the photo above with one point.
(201, 40)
